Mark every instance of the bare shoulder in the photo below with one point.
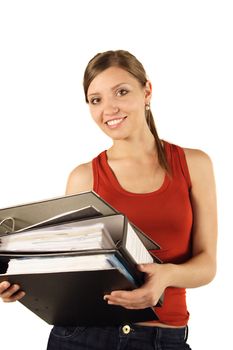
(80, 179)
(199, 164)
(197, 155)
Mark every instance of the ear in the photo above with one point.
(148, 91)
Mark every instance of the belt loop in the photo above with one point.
(186, 332)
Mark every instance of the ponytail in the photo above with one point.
(161, 153)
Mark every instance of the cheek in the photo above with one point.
(135, 104)
(94, 114)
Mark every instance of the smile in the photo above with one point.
(114, 122)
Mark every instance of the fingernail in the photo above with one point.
(6, 284)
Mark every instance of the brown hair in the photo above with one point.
(125, 60)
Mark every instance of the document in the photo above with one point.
(103, 232)
(66, 263)
(63, 237)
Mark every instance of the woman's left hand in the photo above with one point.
(157, 279)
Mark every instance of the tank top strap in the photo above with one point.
(177, 160)
(184, 166)
(99, 173)
(95, 174)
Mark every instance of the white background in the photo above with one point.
(46, 130)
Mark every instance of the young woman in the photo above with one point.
(165, 190)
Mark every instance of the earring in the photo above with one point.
(147, 106)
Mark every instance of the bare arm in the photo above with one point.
(201, 268)
(80, 179)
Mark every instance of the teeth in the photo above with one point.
(114, 121)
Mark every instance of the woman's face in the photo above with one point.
(117, 102)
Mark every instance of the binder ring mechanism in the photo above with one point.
(8, 224)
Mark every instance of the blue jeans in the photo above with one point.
(118, 338)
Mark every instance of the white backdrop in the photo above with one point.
(46, 130)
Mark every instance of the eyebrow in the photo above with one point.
(113, 88)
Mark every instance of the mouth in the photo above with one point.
(113, 123)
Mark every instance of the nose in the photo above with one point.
(110, 108)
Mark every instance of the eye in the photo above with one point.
(94, 100)
(122, 92)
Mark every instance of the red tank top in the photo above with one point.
(165, 215)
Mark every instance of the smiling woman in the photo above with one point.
(165, 190)
(119, 102)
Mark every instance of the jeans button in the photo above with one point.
(126, 329)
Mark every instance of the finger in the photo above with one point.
(135, 294)
(124, 293)
(10, 291)
(118, 296)
(17, 296)
(128, 305)
(137, 299)
(3, 286)
(128, 299)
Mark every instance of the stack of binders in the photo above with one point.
(67, 253)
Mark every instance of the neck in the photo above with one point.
(133, 147)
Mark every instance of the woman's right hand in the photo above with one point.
(10, 292)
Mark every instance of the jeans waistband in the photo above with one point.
(159, 332)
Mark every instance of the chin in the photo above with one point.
(118, 137)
